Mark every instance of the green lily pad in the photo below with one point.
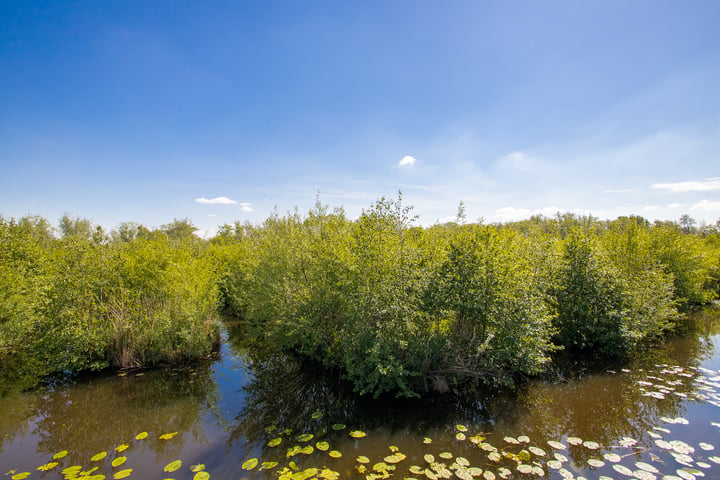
(305, 437)
(460, 436)
(322, 446)
(523, 439)
(362, 459)
(117, 461)
(622, 469)
(511, 440)
(475, 471)
(140, 436)
(358, 434)
(173, 466)
(274, 442)
(201, 476)
(308, 450)
(335, 454)
(338, 426)
(123, 474)
(250, 464)
(395, 458)
(446, 455)
(647, 467)
(427, 440)
(488, 475)
(199, 467)
(305, 474)
(461, 428)
(267, 466)
(429, 458)
(317, 415)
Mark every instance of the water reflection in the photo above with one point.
(226, 411)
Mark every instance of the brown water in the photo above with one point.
(226, 409)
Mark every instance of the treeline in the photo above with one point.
(87, 300)
(396, 307)
(404, 309)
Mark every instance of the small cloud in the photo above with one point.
(506, 214)
(675, 205)
(706, 205)
(518, 161)
(691, 186)
(212, 215)
(215, 201)
(246, 207)
(407, 160)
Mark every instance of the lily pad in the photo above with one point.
(47, 466)
(488, 475)
(322, 446)
(316, 415)
(334, 454)
(524, 468)
(123, 474)
(98, 456)
(461, 428)
(511, 440)
(523, 439)
(203, 475)
(167, 436)
(274, 442)
(574, 440)
(250, 464)
(267, 465)
(199, 467)
(429, 458)
(556, 445)
(362, 459)
(140, 436)
(395, 458)
(173, 466)
(446, 455)
(427, 440)
(358, 434)
(622, 469)
(117, 461)
(20, 476)
(460, 436)
(60, 455)
(308, 450)
(706, 446)
(647, 467)
(537, 451)
(595, 462)
(305, 437)
(612, 457)
(122, 448)
(338, 426)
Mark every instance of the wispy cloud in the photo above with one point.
(706, 205)
(215, 201)
(690, 186)
(246, 207)
(407, 160)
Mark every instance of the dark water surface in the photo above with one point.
(660, 415)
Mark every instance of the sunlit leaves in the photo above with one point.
(274, 442)
(203, 475)
(167, 436)
(357, 434)
(141, 436)
(98, 456)
(60, 455)
(47, 466)
(122, 474)
(120, 460)
(250, 464)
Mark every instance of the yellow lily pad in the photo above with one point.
(119, 461)
(60, 455)
(322, 446)
(357, 434)
(167, 436)
(250, 464)
(123, 474)
(274, 442)
(173, 466)
(201, 476)
(335, 454)
(98, 456)
(141, 436)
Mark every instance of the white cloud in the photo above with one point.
(675, 205)
(506, 214)
(516, 161)
(690, 186)
(407, 160)
(706, 205)
(215, 201)
(246, 207)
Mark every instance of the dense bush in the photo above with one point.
(393, 306)
(76, 303)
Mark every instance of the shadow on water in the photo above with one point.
(227, 409)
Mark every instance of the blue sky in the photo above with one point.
(221, 111)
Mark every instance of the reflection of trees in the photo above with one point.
(15, 414)
(600, 407)
(105, 412)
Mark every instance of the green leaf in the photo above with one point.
(173, 466)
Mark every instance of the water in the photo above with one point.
(226, 409)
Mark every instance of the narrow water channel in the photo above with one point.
(657, 417)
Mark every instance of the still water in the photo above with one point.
(656, 417)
